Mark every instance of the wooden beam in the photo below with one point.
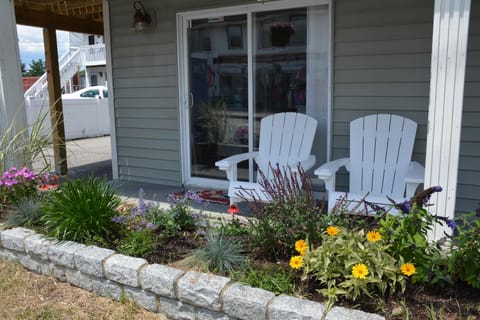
(45, 19)
(55, 98)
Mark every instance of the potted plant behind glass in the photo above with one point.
(213, 118)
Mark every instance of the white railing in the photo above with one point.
(68, 63)
(93, 55)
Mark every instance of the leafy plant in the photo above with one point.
(137, 243)
(407, 236)
(464, 259)
(81, 210)
(28, 213)
(351, 264)
(292, 214)
(17, 184)
(213, 117)
(180, 206)
(221, 254)
(233, 228)
(273, 278)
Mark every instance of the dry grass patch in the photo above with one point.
(25, 295)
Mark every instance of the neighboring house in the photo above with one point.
(342, 59)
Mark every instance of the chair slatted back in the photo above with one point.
(286, 139)
(381, 147)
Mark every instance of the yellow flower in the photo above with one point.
(408, 269)
(373, 236)
(296, 262)
(360, 271)
(332, 231)
(301, 246)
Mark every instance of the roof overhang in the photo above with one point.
(83, 16)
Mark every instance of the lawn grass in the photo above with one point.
(24, 295)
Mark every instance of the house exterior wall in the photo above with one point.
(144, 68)
(468, 191)
(382, 53)
(382, 56)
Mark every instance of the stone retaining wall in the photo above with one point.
(158, 288)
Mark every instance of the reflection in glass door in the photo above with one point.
(218, 92)
(235, 78)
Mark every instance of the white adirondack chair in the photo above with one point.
(286, 139)
(380, 164)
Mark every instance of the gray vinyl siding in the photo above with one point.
(144, 66)
(468, 192)
(382, 53)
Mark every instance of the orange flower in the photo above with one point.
(408, 269)
(233, 209)
(373, 236)
(332, 231)
(296, 262)
(301, 246)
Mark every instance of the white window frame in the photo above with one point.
(183, 20)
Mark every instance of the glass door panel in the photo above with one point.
(219, 93)
(290, 63)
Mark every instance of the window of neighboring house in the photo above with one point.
(90, 93)
(93, 80)
(234, 35)
(91, 39)
(105, 93)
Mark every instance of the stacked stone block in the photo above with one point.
(172, 292)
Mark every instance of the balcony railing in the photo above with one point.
(93, 55)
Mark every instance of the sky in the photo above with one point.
(30, 43)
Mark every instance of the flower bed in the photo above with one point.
(291, 247)
(158, 288)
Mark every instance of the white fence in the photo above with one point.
(84, 118)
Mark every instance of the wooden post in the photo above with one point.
(55, 98)
(449, 54)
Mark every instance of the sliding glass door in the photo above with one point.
(240, 67)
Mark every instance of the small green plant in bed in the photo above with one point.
(27, 213)
(464, 258)
(82, 209)
(221, 253)
(269, 277)
(137, 243)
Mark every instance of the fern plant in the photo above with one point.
(81, 210)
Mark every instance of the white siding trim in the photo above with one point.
(449, 51)
(111, 99)
(12, 104)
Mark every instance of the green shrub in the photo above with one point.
(137, 243)
(221, 254)
(292, 214)
(273, 278)
(351, 264)
(232, 228)
(82, 209)
(407, 236)
(28, 213)
(464, 259)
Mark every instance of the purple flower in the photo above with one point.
(451, 224)
(405, 206)
(117, 219)
(437, 189)
(150, 226)
(477, 212)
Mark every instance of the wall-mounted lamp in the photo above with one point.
(141, 19)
